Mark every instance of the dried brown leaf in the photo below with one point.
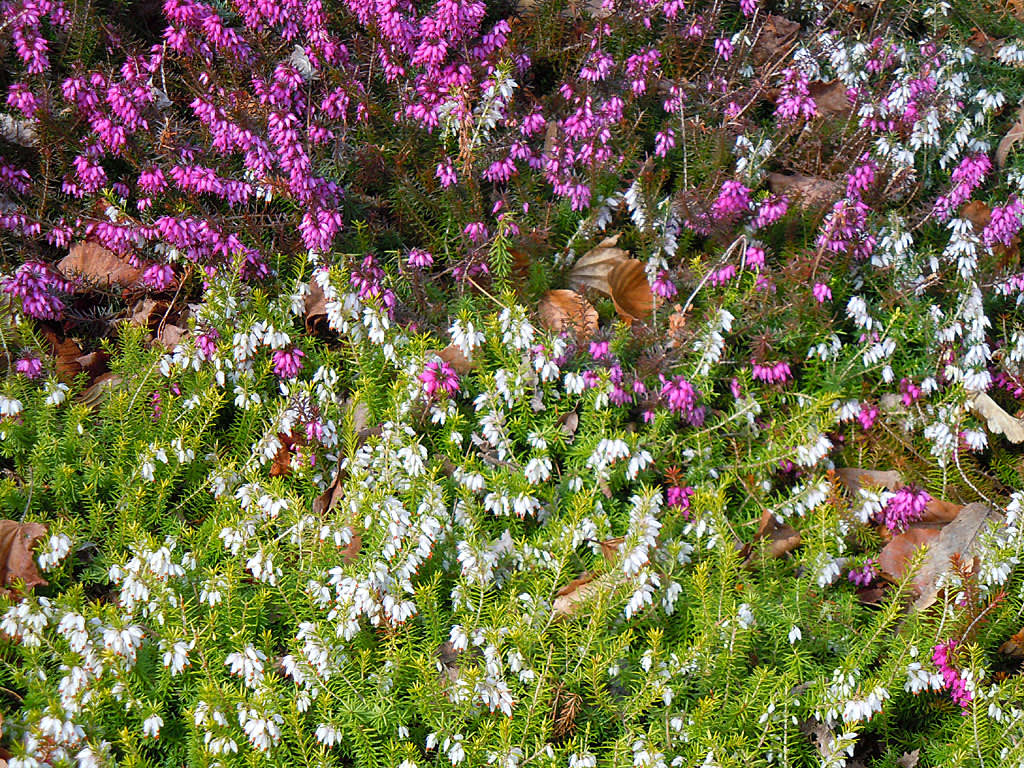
(610, 549)
(95, 394)
(569, 598)
(630, 291)
(854, 478)
(776, 36)
(782, 537)
(316, 306)
(957, 538)
(145, 311)
(453, 355)
(978, 213)
(565, 310)
(169, 335)
(592, 269)
(1014, 647)
(895, 556)
(909, 759)
(831, 98)
(808, 191)
(997, 420)
(98, 266)
(569, 423)
(16, 560)
(327, 500)
(1008, 141)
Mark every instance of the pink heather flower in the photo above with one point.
(420, 259)
(663, 286)
(822, 292)
(446, 174)
(724, 48)
(864, 575)
(679, 496)
(965, 179)
(476, 231)
(598, 349)
(755, 257)
(288, 363)
(770, 211)
(735, 388)
(867, 416)
(314, 430)
(681, 398)
(863, 176)
(439, 377)
(664, 141)
(159, 277)
(36, 284)
(795, 100)
(733, 200)
(906, 506)
(206, 343)
(953, 679)
(771, 372)
(748, 7)
(154, 400)
(30, 367)
(723, 275)
(909, 391)
(1004, 224)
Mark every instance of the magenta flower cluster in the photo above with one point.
(906, 506)
(953, 679)
(37, 285)
(865, 574)
(439, 379)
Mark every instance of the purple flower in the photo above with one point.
(159, 277)
(446, 174)
(30, 367)
(598, 349)
(906, 506)
(771, 372)
(822, 292)
(733, 200)
(288, 363)
(679, 496)
(794, 101)
(867, 416)
(724, 48)
(953, 679)
(681, 398)
(663, 286)
(864, 575)
(439, 377)
(420, 259)
(206, 343)
(36, 283)
(909, 391)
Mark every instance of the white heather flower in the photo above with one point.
(176, 657)
(57, 548)
(152, 725)
(827, 570)
(516, 330)
(263, 731)
(247, 664)
(213, 589)
(466, 337)
(538, 470)
(9, 406)
(328, 735)
(56, 392)
(745, 616)
(795, 634)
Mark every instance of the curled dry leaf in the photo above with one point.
(997, 420)
(630, 291)
(777, 35)
(569, 598)
(98, 266)
(897, 554)
(1014, 647)
(909, 759)
(854, 478)
(610, 549)
(316, 306)
(453, 355)
(563, 310)
(782, 537)
(1008, 141)
(16, 560)
(569, 423)
(592, 269)
(808, 191)
(95, 394)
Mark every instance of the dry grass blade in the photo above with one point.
(592, 269)
(564, 310)
(630, 291)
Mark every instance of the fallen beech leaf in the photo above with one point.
(939, 511)
(900, 550)
(1014, 647)
(577, 591)
(831, 98)
(782, 537)
(351, 550)
(98, 266)
(145, 310)
(453, 355)
(93, 363)
(776, 36)
(563, 310)
(569, 423)
(808, 191)
(169, 336)
(997, 420)
(956, 538)
(610, 548)
(316, 306)
(16, 560)
(854, 478)
(978, 213)
(630, 291)
(282, 463)
(65, 356)
(592, 269)
(18, 131)
(909, 759)
(1008, 141)
(95, 394)
(326, 501)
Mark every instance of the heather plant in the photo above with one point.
(371, 509)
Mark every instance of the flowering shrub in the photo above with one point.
(369, 508)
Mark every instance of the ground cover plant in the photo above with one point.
(516, 383)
